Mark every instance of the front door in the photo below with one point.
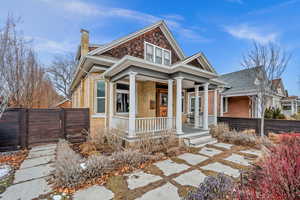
(162, 103)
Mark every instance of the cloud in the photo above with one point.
(244, 31)
(52, 46)
(175, 21)
(274, 7)
(235, 1)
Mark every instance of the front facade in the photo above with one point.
(144, 83)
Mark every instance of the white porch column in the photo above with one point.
(196, 111)
(170, 103)
(132, 104)
(205, 109)
(111, 103)
(179, 105)
(215, 107)
(221, 105)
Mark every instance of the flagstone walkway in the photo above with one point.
(31, 179)
(165, 179)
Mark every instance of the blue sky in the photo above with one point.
(222, 29)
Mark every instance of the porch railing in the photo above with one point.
(144, 125)
(154, 124)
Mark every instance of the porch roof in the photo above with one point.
(129, 63)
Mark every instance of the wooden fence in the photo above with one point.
(24, 128)
(271, 125)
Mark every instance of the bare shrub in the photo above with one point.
(245, 138)
(128, 157)
(67, 166)
(108, 138)
(219, 129)
(72, 170)
(150, 143)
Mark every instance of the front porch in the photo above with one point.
(152, 105)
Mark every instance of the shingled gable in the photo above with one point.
(133, 44)
(198, 60)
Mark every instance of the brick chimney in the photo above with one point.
(84, 42)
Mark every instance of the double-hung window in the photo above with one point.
(157, 54)
(122, 100)
(149, 52)
(100, 96)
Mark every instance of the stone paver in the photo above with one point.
(27, 190)
(218, 167)
(238, 159)
(252, 152)
(93, 193)
(41, 153)
(192, 159)
(192, 178)
(44, 147)
(37, 161)
(209, 151)
(169, 167)
(223, 145)
(165, 192)
(141, 179)
(32, 173)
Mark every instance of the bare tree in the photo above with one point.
(266, 63)
(21, 75)
(61, 73)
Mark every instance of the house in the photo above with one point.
(143, 82)
(66, 103)
(290, 105)
(240, 97)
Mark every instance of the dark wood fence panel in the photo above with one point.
(10, 130)
(76, 121)
(44, 126)
(23, 128)
(274, 126)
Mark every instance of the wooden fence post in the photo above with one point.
(62, 116)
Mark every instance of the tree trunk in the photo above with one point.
(262, 125)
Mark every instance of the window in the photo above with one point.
(183, 102)
(163, 99)
(192, 104)
(167, 58)
(157, 54)
(149, 52)
(225, 104)
(100, 97)
(122, 99)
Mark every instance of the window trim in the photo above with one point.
(121, 92)
(154, 53)
(98, 114)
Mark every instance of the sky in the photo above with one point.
(224, 30)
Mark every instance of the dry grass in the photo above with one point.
(244, 138)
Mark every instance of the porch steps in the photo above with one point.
(199, 139)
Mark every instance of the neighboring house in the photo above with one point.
(66, 103)
(240, 97)
(290, 105)
(143, 82)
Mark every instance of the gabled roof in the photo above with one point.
(276, 83)
(161, 24)
(200, 57)
(240, 81)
